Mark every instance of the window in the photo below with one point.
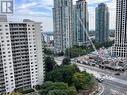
(11, 76)
(7, 33)
(65, 3)
(6, 25)
(8, 44)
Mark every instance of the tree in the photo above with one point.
(50, 64)
(15, 93)
(82, 50)
(48, 51)
(62, 74)
(66, 61)
(82, 81)
(56, 88)
(74, 52)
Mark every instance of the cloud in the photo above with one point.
(41, 10)
(28, 5)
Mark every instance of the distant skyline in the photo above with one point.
(41, 10)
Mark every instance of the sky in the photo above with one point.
(41, 11)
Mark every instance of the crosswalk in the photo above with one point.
(107, 77)
(115, 92)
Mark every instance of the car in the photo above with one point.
(117, 73)
(100, 80)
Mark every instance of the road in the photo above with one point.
(112, 88)
(113, 85)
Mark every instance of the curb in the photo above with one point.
(101, 88)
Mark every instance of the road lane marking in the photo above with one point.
(115, 92)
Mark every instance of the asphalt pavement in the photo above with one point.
(113, 84)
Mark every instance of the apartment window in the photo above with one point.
(8, 44)
(7, 85)
(6, 25)
(7, 33)
(6, 81)
(11, 76)
(10, 66)
(65, 3)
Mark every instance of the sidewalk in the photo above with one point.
(99, 91)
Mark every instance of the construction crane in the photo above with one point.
(87, 34)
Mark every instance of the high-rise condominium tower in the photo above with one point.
(102, 23)
(62, 20)
(21, 57)
(81, 14)
(120, 48)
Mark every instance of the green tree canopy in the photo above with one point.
(50, 64)
(56, 88)
(14, 93)
(82, 80)
(66, 61)
(82, 50)
(48, 51)
(62, 74)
